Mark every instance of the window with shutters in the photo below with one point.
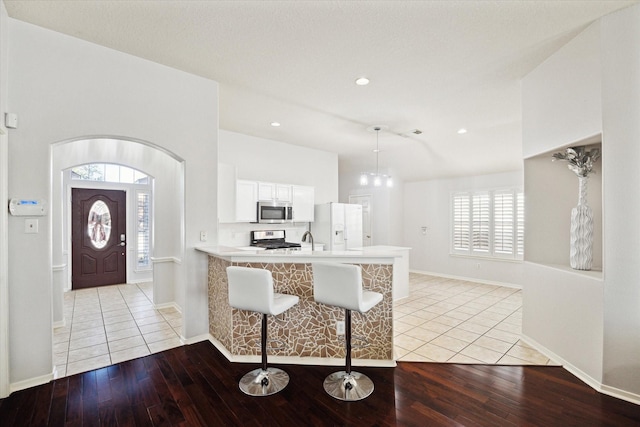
(488, 223)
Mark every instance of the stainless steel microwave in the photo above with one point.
(270, 212)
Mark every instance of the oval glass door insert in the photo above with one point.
(99, 224)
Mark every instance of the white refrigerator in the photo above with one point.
(338, 226)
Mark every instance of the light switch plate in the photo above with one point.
(30, 225)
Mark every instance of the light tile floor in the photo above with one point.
(456, 321)
(442, 320)
(111, 324)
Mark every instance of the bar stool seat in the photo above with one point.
(252, 289)
(340, 285)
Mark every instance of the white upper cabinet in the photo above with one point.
(303, 203)
(246, 201)
(275, 192)
(237, 198)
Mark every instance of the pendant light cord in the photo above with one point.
(377, 151)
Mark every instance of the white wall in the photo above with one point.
(266, 160)
(428, 204)
(261, 159)
(64, 88)
(621, 131)
(570, 78)
(4, 195)
(592, 321)
(569, 109)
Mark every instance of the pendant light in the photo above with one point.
(377, 177)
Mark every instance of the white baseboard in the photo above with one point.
(60, 324)
(468, 279)
(31, 382)
(296, 360)
(193, 340)
(620, 394)
(583, 376)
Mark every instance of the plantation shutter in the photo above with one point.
(461, 222)
(520, 225)
(488, 223)
(481, 222)
(503, 223)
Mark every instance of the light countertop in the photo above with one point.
(286, 255)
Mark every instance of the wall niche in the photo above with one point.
(551, 191)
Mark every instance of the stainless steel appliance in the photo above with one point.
(271, 212)
(272, 239)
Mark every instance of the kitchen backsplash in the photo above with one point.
(239, 234)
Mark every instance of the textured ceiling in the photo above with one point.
(436, 66)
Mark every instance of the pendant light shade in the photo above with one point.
(377, 177)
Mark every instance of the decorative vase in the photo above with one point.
(581, 256)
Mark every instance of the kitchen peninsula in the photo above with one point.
(307, 332)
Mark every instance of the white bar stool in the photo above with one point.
(252, 289)
(340, 285)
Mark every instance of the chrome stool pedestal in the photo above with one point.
(340, 285)
(252, 289)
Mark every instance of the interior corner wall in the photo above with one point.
(64, 88)
(621, 132)
(428, 204)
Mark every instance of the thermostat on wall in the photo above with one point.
(27, 207)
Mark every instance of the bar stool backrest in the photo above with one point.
(339, 285)
(250, 289)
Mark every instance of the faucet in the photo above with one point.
(304, 239)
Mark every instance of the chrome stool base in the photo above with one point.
(260, 382)
(348, 387)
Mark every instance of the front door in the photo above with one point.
(98, 239)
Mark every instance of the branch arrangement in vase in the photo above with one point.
(579, 160)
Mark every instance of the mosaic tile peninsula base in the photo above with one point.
(308, 329)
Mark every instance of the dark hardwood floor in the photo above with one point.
(196, 386)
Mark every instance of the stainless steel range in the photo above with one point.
(272, 239)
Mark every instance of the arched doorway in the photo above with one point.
(163, 194)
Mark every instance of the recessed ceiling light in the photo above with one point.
(462, 130)
(362, 81)
(275, 124)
